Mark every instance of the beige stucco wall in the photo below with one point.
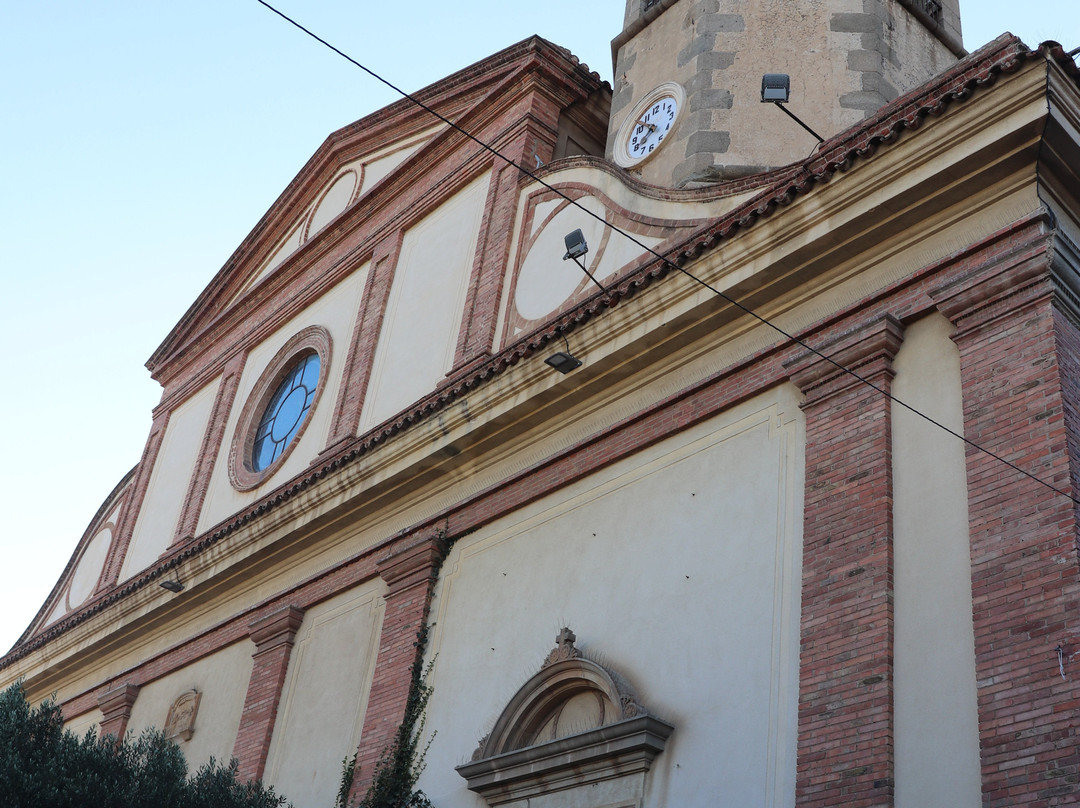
(336, 312)
(165, 495)
(710, 517)
(222, 679)
(86, 574)
(79, 724)
(325, 696)
(937, 730)
(427, 300)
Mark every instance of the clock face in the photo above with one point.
(651, 126)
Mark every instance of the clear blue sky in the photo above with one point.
(140, 142)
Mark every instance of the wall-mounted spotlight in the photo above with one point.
(776, 89)
(172, 586)
(563, 361)
(576, 246)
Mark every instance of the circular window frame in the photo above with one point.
(313, 339)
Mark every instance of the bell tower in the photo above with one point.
(687, 105)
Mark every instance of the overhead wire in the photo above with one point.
(667, 261)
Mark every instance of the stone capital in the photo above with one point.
(116, 702)
(276, 629)
(412, 563)
(867, 351)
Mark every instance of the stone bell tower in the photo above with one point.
(687, 105)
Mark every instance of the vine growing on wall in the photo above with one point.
(393, 784)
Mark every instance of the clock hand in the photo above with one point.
(652, 126)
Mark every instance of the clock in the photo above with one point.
(648, 126)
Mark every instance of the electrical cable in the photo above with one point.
(669, 263)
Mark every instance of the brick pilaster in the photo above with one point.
(845, 747)
(115, 705)
(1018, 350)
(477, 332)
(129, 513)
(410, 573)
(215, 432)
(365, 338)
(273, 636)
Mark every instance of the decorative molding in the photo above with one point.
(615, 750)
(365, 340)
(129, 512)
(208, 454)
(1006, 282)
(529, 752)
(413, 563)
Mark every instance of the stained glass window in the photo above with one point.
(285, 413)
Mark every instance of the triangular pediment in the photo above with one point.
(356, 174)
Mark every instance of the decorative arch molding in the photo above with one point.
(572, 726)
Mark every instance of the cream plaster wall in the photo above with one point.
(336, 312)
(427, 300)
(169, 481)
(381, 163)
(325, 696)
(85, 577)
(937, 729)
(222, 679)
(710, 517)
(78, 725)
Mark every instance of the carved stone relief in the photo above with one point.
(181, 720)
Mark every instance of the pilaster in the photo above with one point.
(361, 355)
(410, 572)
(1018, 351)
(115, 705)
(129, 514)
(846, 727)
(273, 636)
(215, 432)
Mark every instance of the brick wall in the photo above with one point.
(845, 749)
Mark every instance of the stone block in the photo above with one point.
(708, 142)
(855, 24)
(721, 23)
(703, 43)
(863, 60)
(867, 102)
(710, 99)
(715, 60)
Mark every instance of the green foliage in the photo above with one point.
(44, 766)
(393, 784)
(348, 772)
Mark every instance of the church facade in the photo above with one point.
(771, 505)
